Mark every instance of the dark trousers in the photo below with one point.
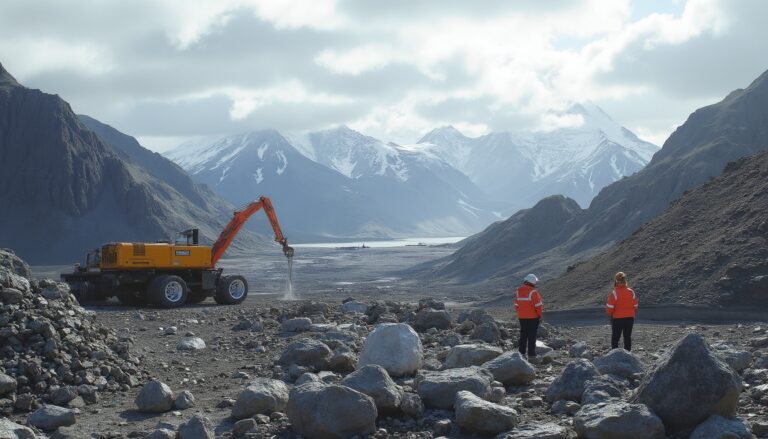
(528, 330)
(621, 327)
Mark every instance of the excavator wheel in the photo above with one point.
(167, 291)
(231, 290)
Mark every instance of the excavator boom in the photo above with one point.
(238, 220)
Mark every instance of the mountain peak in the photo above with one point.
(443, 132)
(6, 79)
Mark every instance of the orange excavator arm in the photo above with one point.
(238, 220)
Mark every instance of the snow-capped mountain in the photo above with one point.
(523, 167)
(339, 184)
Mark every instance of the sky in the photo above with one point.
(169, 71)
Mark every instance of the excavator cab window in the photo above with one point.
(192, 236)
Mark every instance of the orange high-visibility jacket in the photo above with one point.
(528, 303)
(622, 302)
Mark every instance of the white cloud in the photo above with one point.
(394, 69)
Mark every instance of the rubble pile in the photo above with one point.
(51, 349)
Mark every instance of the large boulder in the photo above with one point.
(438, 389)
(689, 383)
(479, 416)
(617, 420)
(51, 417)
(511, 369)
(571, 382)
(394, 346)
(718, 427)
(306, 352)
(154, 397)
(539, 431)
(620, 363)
(12, 430)
(431, 318)
(319, 411)
(354, 307)
(466, 355)
(198, 427)
(262, 396)
(374, 381)
(488, 332)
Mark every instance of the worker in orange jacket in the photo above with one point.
(622, 308)
(529, 309)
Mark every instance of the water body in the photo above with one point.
(403, 242)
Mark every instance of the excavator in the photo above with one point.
(169, 274)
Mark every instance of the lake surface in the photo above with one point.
(403, 242)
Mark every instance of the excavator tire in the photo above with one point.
(132, 298)
(167, 291)
(196, 296)
(231, 290)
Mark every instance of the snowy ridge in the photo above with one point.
(524, 166)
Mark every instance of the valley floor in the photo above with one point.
(209, 374)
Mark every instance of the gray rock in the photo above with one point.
(184, 400)
(539, 431)
(63, 395)
(374, 381)
(429, 318)
(738, 360)
(300, 324)
(394, 346)
(198, 427)
(511, 368)
(718, 427)
(161, 433)
(579, 350)
(12, 430)
(243, 426)
(488, 332)
(306, 352)
(599, 390)
(262, 396)
(466, 355)
(571, 382)
(438, 389)
(354, 307)
(330, 411)
(703, 385)
(618, 420)
(11, 296)
(51, 417)
(7, 384)
(154, 397)
(479, 416)
(191, 344)
(565, 407)
(343, 361)
(56, 291)
(411, 405)
(620, 363)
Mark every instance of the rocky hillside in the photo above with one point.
(66, 190)
(709, 248)
(698, 150)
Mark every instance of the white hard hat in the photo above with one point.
(532, 279)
